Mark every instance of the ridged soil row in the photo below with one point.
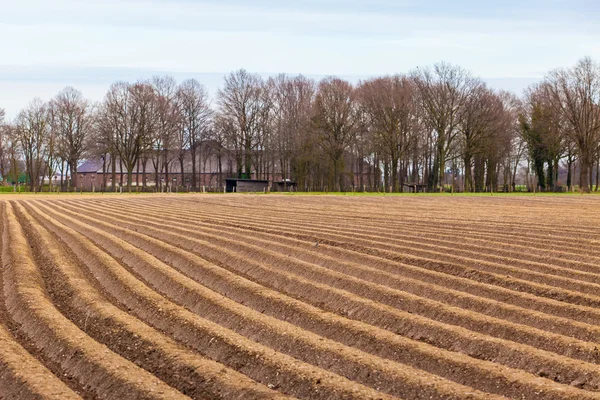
(553, 276)
(492, 243)
(517, 249)
(405, 272)
(451, 365)
(452, 210)
(565, 277)
(302, 251)
(540, 246)
(576, 273)
(449, 337)
(490, 250)
(346, 262)
(383, 375)
(22, 375)
(94, 365)
(253, 248)
(579, 294)
(523, 230)
(180, 367)
(277, 370)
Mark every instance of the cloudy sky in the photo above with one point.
(47, 45)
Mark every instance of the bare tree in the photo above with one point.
(575, 93)
(103, 142)
(480, 118)
(130, 116)
(223, 130)
(72, 126)
(5, 139)
(292, 99)
(336, 120)
(443, 92)
(167, 121)
(240, 101)
(543, 130)
(389, 103)
(11, 155)
(32, 131)
(194, 106)
(426, 127)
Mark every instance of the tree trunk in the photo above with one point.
(584, 176)
(550, 176)
(194, 180)
(468, 173)
(144, 180)
(395, 179)
(219, 161)
(569, 173)
(129, 178)
(104, 173)
(137, 178)
(182, 171)
(113, 161)
(74, 174)
(62, 174)
(597, 174)
(167, 179)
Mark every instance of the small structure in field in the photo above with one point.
(239, 185)
(415, 188)
(286, 185)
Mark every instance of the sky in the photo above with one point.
(88, 44)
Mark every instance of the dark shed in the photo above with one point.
(286, 186)
(245, 185)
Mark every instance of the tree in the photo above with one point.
(167, 121)
(480, 119)
(543, 131)
(389, 103)
(6, 139)
(33, 130)
(194, 106)
(130, 116)
(10, 157)
(292, 99)
(240, 101)
(336, 120)
(443, 92)
(575, 94)
(72, 124)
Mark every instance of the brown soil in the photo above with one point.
(300, 296)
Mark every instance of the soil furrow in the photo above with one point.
(588, 315)
(408, 352)
(403, 323)
(107, 374)
(523, 250)
(387, 275)
(199, 333)
(352, 363)
(176, 365)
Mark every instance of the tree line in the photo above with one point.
(438, 128)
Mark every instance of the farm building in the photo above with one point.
(245, 185)
(151, 173)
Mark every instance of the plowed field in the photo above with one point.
(314, 297)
